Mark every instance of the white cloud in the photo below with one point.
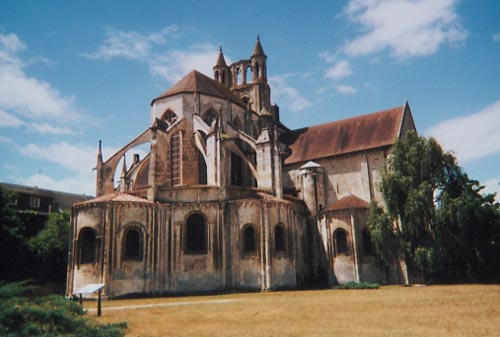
(28, 99)
(338, 71)
(169, 64)
(76, 159)
(131, 45)
(471, 137)
(80, 184)
(346, 89)
(7, 119)
(4, 139)
(496, 37)
(407, 28)
(289, 96)
(174, 64)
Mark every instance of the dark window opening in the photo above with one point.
(209, 116)
(196, 238)
(341, 242)
(87, 246)
(249, 240)
(202, 170)
(236, 170)
(279, 239)
(133, 245)
(169, 117)
(367, 242)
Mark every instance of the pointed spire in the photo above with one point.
(257, 50)
(99, 153)
(221, 61)
(124, 168)
(123, 178)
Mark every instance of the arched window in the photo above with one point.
(279, 239)
(87, 246)
(340, 237)
(367, 242)
(236, 170)
(238, 76)
(249, 239)
(175, 159)
(249, 74)
(133, 245)
(196, 235)
(209, 116)
(256, 73)
(169, 117)
(202, 170)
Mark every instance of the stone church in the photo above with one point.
(229, 198)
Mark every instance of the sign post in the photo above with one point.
(89, 289)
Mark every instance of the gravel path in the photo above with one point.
(157, 305)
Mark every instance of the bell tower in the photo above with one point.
(247, 78)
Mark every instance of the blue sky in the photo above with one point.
(72, 73)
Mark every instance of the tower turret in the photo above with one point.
(221, 70)
(258, 61)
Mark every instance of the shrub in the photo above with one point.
(359, 285)
(25, 315)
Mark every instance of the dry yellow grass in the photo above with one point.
(465, 310)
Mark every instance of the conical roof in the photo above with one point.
(197, 82)
(221, 61)
(257, 50)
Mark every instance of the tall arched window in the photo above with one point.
(87, 246)
(202, 169)
(249, 239)
(175, 159)
(340, 238)
(236, 170)
(209, 116)
(133, 245)
(279, 239)
(196, 235)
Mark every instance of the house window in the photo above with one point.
(133, 245)
(87, 246)
(279, 239)
(341, 247)
(196, 235)
(175, 159)
(34, 201)
(249, 239)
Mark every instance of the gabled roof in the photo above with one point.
(365, 132)
(197, 82)
(348, 202)
(115, 196)
(63, 199)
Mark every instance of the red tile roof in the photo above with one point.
(349, 135)
(115, 196)
(197, 82)
(349, 202)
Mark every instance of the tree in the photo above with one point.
(436, 219)
(50, 248)
(467, 245)
(413, 174)
(12, 245)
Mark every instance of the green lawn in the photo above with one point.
(463, 310)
